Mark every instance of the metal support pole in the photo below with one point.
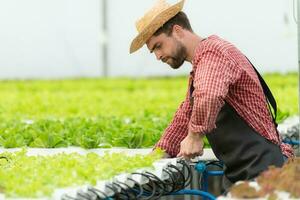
(298, 24)
(104, 41)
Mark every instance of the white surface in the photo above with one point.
(62, 38)
(49, 38)
(288, 126)
(207, 153)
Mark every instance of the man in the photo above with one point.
(227, 100)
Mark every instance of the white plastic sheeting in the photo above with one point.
(49, 38)
(63, 38)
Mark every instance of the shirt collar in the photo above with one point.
(199, 49)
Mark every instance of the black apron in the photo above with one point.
(244, 152)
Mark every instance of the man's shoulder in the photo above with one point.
(214, 45)
(218, 44)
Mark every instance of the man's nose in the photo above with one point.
(158, 55)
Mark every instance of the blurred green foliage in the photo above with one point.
(95, 113)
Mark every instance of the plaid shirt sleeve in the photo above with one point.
(178, 128)
(214, 74)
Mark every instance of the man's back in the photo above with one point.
(244, 94)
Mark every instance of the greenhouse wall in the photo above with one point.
(49, 38)
(65, 38)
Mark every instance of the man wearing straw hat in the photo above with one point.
(227, 100)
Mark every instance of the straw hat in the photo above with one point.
(155, 18)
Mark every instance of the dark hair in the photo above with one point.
(179, 19)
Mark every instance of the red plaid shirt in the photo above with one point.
(220, 73)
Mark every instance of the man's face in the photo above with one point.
(167, 49)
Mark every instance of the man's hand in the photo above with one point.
(191, 146)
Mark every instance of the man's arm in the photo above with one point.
(177, 129)
(213, 76)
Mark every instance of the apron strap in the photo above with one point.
(268, 94)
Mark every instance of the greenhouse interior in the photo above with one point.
(153, 99)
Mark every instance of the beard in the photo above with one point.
(178, 56)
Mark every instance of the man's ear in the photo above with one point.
(178, 31)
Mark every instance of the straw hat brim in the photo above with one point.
(155, 24)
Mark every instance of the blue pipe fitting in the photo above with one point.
(200, 167)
